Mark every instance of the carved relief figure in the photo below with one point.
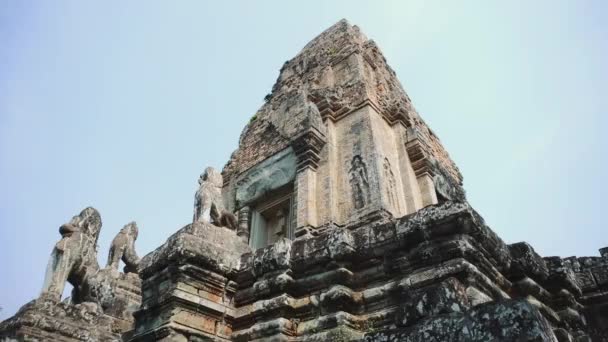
(208, 202)
(74, 257)
(123, 248)
(390, 184)
(359, 182)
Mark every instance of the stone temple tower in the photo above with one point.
(340, 217)
(340, 141)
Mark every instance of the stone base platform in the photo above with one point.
(45, 320)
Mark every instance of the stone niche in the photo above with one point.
(271, 219)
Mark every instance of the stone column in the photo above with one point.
(243, 228)
(306, 215)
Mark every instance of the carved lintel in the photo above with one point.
(308, 147)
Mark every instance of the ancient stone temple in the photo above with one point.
(340, 217)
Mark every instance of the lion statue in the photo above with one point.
(208, 202)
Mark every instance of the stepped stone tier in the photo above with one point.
(340, 217)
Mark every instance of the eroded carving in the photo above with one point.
(74, 260)
(123, 248)
(359, 182)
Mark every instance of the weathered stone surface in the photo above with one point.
(118, 294)
(561, 276)
(209, 203)
(186, 290)
(215, 248)
(103, 300)
(123, 248)
(503, 321)
(526, 262)
(74, 257)
(447, 297)
(275, 172)
(46, 320)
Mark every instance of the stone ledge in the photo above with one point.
(216, 248)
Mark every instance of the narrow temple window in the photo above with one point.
(271, 219)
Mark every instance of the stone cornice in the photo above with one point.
(307, 147)
(419, 155)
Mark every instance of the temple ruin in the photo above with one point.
(340, 217)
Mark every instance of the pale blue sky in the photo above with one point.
(121, 105)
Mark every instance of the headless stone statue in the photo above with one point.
(208, 202)
(74, 257)
(123, 248)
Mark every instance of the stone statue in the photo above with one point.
(123, 248)
(74, 257)
(208, 202)
(74, 260)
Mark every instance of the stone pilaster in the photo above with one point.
(307, 148)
